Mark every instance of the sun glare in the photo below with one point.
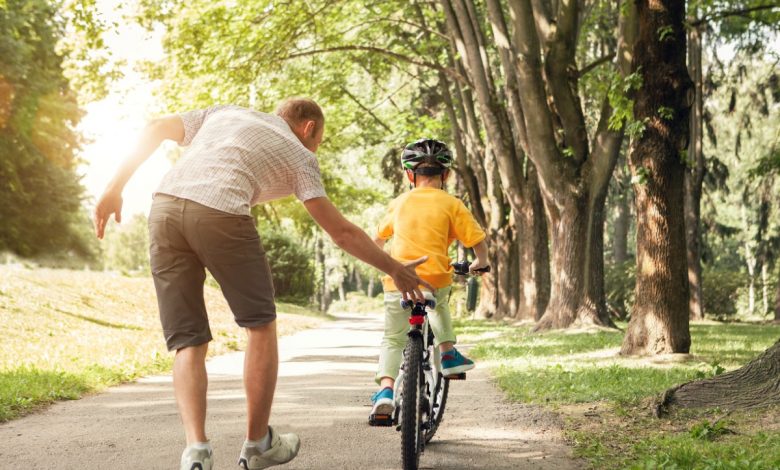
(112, 125)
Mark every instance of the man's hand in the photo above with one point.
(110, 203)
(407, 281)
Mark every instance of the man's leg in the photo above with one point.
(190, 383)
(261, 365)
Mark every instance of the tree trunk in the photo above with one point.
(324, 299)
(507, 274)
(577, 288)
(659, 320)
(534, 258)
(754, 385)
(358, 280)
(777, 301)
(694, 177)
(765, 289)
(370, 288)
(489, 287)
(620, 230)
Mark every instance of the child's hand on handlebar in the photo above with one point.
(477, 267)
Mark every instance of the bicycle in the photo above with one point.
(420, 390)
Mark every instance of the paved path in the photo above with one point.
(326, 379)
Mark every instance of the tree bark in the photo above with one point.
(694, 177)
(659, 320)
(621, 226)
(777, 301)
(754, 385)
(573, 174)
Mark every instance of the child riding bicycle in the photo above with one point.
(424, 222)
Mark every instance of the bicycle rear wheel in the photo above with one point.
(411, 413)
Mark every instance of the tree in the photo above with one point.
(41, 195)
(747, 25)
(545, 122)
(754, 385)
(659, 320)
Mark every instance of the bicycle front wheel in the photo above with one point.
(411, 413)
(438, 401)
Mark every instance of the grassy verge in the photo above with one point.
(66, 333)
(606, 399)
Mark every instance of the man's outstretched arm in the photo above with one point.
(158, 130)
(356, 242)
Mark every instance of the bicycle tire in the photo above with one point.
(411, 414)
(438, 405)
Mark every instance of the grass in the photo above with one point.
(606, 399)
(66, 333)
(357, 302)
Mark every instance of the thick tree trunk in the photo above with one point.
(754, 385)
(659, 320)
(534, 259)
(577, 284)
(370, 288)
(694, 177)
(489, 286)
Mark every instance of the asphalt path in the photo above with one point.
(323, 394)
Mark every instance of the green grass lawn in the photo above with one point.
(606, 399)
(66, 333)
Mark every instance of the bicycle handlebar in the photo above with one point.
(462, 268)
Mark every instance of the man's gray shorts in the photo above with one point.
(186, 237)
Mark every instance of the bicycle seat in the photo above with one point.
(430, 301)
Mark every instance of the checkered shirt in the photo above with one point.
(237, 158)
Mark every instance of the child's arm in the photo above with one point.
(481, 253)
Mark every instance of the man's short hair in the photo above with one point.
(298, 110)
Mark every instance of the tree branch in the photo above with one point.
(727, 13)
(364, 108)
(395, 55)
(601, 60)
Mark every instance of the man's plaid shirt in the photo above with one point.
(237, 158)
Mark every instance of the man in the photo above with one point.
(200, 219)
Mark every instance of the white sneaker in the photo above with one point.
(196, 459)
(284, 447)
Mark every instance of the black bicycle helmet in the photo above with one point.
(427, 151)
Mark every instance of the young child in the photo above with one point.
(424, 222)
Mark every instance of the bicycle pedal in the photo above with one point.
(380, 420)
(461, 376)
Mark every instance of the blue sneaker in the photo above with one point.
(383, 407)
(453, 363)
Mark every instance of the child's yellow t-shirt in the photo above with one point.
(424, 222)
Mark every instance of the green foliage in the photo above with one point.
(619, 94)
(40, 196)
(640, 176)
(716, 369)
(709, 431)
(291, 266)
(665, 32)
(620, 284)
(721, 290)
(126, 246)
(666, 113)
